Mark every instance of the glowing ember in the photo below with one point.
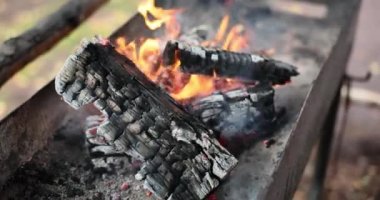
(146, 53)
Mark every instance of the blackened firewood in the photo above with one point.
(238, 115)
(202, 60)
(97, 144)
(223, 109)
(181, 160)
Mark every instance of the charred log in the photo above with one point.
(239, 116)
(97, 144)
(181, 159)
(202, 60)
(254, 103)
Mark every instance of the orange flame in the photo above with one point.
(222, 28)
(198, 85)
(236, 39)
(160, 15)
(147, 55)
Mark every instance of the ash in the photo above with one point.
(64, 170)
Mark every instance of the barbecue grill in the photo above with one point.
(318, 46)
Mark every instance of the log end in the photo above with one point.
(279, 72)
(71, 81)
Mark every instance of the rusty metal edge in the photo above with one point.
(314, 111)
(28, 128)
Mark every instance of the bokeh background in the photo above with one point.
(17, 16)
(357, 174)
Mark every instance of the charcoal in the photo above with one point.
(253, 103)
(209, 61)
(240, 115)
(179, 154)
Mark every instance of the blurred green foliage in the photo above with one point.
(17, 16)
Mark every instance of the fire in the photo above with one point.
(198, 85)
(236, 39)
(146, 53)
(160, 15)
(155, 17)
(148, 56)
(222, 28)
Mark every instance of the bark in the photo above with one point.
(202, 60)
(181, 159)
(16, 52)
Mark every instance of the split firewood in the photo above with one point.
(97, 144)
(237, 116)
(181, 159)
(201, 60)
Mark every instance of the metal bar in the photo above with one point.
(324, 148)
(27, 130)
(289, 169)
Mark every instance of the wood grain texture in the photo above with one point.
(181, 158)
(16, 52)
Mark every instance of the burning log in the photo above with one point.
(239, 115)
(181, 159)
(207, 61)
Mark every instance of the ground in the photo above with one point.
(355, 174)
